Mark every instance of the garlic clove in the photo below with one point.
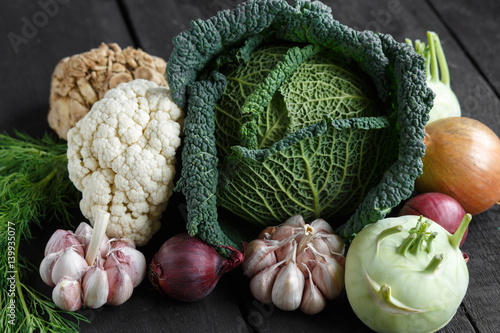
(321, 226)
(313, 300)
(62, 239)
(285, 231)
(261, 284)
(329, 277)
(70, 264)
(120, 284)
(321, 245)
(333, 241)
(289, 284)
(131, 260)
(295, 220)
(259, 254)
(306, 259)
(83, 233)
(47, 265)
(95, 287)
(67, 294)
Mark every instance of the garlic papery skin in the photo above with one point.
(313, 300)
(267, 233)
(289, 284)
(47, 265)
(261, 284)
(67, 294)
(117, 243)
(95, 287)
(69, 264)
(131, 260)
(61, 240)
(120, 284)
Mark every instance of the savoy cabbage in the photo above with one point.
(290, 112)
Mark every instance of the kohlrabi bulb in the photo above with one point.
(406, 274)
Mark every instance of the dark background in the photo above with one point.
(470, 36)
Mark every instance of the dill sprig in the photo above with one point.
(34, 186)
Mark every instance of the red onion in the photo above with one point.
(187, 269)
(438, 207)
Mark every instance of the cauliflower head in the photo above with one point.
(122, 156)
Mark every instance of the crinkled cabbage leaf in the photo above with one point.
(290, 112)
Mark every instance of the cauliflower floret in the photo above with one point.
(122, 157)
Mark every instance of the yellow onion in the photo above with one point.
(462, 160)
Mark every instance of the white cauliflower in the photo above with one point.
(122, 157)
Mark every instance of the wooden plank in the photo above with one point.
(35, 36)
(483, 246)
(476, 29)
(156, 24)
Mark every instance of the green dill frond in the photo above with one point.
(34, 187)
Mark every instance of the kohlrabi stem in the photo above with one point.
(430, 238)
(406, 244)
(434, 63)
(438, 57)
(456, 238)
(435, 262)
(418, 244)
(388, 232)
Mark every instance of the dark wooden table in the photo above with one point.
(469, 31)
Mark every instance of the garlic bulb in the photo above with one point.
(296, 265)
(108, 274)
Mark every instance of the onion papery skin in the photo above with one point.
(462, 160)
(187, 269)
(438, 207)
